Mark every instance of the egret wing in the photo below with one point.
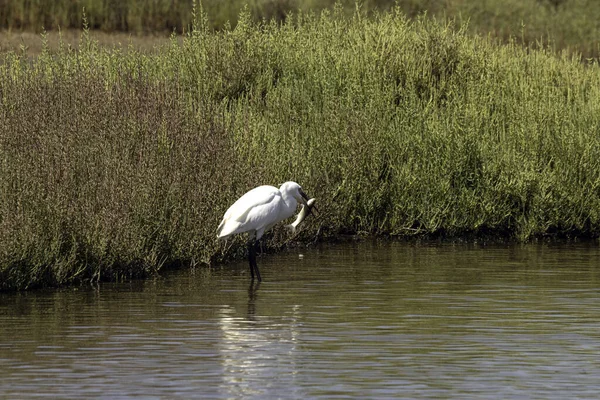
(249, 211)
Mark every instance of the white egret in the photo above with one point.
(257, 211)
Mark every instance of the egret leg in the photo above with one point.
(256, 271)
(252, 259)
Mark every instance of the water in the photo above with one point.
(360, 320)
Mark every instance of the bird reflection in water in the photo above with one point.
(258, 350)
(252, 293)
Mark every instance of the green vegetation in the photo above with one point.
(564, 23)
(114, 164)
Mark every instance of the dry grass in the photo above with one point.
(562, 24)
(30, 44)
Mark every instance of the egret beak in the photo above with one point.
(305, 199)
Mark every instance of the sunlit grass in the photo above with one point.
(114, 164)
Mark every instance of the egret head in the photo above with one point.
(294, 190)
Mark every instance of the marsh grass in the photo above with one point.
(114, 164)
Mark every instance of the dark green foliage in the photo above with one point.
(114, 164)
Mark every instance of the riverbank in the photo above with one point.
(115, 164)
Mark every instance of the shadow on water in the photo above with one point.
(376, 320)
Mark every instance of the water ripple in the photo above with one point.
(368, 320)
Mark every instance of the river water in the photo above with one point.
(358, 320)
